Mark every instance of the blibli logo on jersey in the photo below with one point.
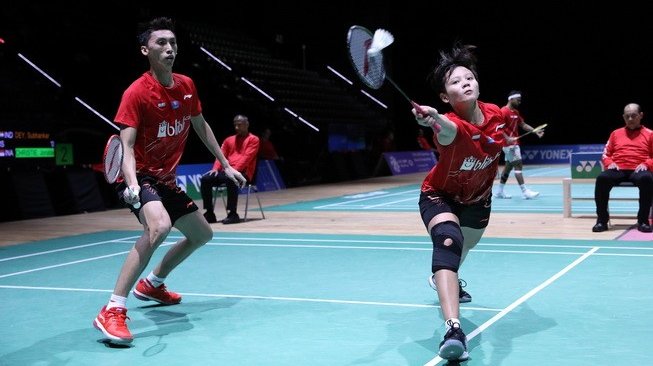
(168, 129)
(471, 163)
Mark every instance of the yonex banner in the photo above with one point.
(586, 164)
(406, 162)
(188, 178)
(189, 175)
(555, 154)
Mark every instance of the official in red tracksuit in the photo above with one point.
(627, 157)
(241, 150)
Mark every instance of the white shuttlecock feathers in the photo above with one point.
(382, 39)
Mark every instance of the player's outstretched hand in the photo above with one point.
(430, 117)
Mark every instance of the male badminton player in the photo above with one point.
(456, 195)
(156, 113)
(512, 152)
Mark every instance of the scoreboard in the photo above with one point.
(26, 148)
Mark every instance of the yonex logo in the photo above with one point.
(586, 165)
(530, 154)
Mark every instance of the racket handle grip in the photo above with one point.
(137, 205)
(418, 109)
(422, 112)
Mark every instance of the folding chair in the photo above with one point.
(221, 191)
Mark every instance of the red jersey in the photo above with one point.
(629, 148)
(512, 118)
(162, 117)
(241, 153)
(467, 167)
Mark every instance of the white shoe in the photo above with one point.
(501, 194)
(528, 194)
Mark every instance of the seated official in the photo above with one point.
(627, 157)
(240, 150)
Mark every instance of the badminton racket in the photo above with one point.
(113, 154)
(535, 130)
(366, 56)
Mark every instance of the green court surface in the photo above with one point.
(313, 299)
(405, 198)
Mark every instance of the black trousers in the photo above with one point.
(208, 181)
(612, 177)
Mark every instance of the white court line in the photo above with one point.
(399, 241)
(217, 242)
(73, 262)
(364, 199)
(62, 264)
(312, 246)
(342, 247)
(68, 248)
(519, 301)
(393, 202)
(255, 297)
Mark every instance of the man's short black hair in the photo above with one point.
(146, 29)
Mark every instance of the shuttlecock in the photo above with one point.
(382, 39)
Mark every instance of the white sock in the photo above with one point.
(154, 280)
(523, 187)
(501, 185)
(117, 302)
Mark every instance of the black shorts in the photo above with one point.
(475, 216)
(176, 202)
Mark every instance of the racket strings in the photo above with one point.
(369, 68)
(113, 160)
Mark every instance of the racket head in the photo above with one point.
(369, 68)
(540, 128)
(112, 159)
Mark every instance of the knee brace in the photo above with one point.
(446, 256)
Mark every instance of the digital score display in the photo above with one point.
(26, 146)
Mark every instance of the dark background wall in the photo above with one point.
(577, 64)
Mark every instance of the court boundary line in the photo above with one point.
(521, 300)
(257, 297)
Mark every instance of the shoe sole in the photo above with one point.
(110, 337)
(142, 296)
(460, 300)
(452, 350)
